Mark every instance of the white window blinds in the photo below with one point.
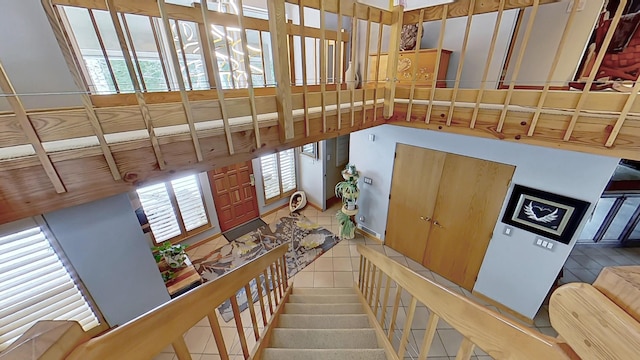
(278, 173)
(35, 285)
(173, 208)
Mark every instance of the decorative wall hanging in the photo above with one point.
(553, 216)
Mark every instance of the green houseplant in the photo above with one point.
(173, 254)
(348, 191)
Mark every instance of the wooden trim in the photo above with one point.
(313, 206)
(516, 71)
(503, 308)
(459, 9)
(487, 66)
(278, 30)
(265, 340)
(436, 71)
(205, 241)
(274, 210)
(29, 131)
(373, 322)
(392, 61)
(456, 84)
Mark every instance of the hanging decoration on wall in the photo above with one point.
(553, 216)
(409, 37)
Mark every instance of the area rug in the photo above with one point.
(243, 229)
(307, 241)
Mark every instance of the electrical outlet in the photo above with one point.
(367, 180)
(581, 5)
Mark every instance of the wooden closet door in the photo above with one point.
(416, 176)
(469, 200)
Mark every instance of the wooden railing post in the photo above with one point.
(392, 61)
(278, 30)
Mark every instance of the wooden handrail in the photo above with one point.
(495, 334)
(145, 336)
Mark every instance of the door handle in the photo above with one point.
(436, 223)
(425, 218)
(252, 180)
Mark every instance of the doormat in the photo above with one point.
(243, 229)
(307, 241)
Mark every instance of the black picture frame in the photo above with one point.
(551, 215)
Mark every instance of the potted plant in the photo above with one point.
(348, 191)
(173, 254)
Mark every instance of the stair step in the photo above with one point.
(324, 354)
(323, 291)
(324, 299)
(324, 339)
(323, 309)
(305, 321)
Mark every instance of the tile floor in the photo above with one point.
(339, 268)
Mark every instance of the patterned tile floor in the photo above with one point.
(339, 268)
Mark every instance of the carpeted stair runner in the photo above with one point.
(324, 324)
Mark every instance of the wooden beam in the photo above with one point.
(277, 28)
(28, 130)
(459, 9)
(516, 71)
(436, 71)
(392, 61)
(487, 66)
(144, 110)
(456, 84)
(554, 65)
(59, 32)
(594, 70)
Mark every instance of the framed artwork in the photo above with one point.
(310, 150)
(550, 215)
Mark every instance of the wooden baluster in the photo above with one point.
(456, 86)
(365, 73)
(407, 328)
(225, 38)
(353, 60)
(487, 66)
(133, 51)
(276, 271)
(337, 66)
(184, 55)
(252, 311)
(367, 269)
(263, 311)
(217, 335)
(434, 82)
(156, 40)
(323, 68)
(305, 90)
(285, 273)
(181, 349)
(466, 349)
(516, 70)
(378, 287)
(96, 29)
(392, 60)
(394, 313)
(429, 333)
(385, 300)
(377, 76)
(274, 288)
(554, 65)
(292, 53)
(416, 52)
(281, 288)
(267, 286)
(361, 274)
(594, 70)
(264, 66)
(372, 282)
(238, 320)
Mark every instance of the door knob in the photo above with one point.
(425, 218)
(252, 180)
(436, 223)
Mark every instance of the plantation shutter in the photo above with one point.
(189, 198)
(156, 204)
(270, 176)
(287, 170)
(35, 285)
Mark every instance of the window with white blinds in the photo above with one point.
(278, 174)
(36, 286)
(174, 208)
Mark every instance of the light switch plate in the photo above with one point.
(367, 180)
(508, 230)
(545, 244)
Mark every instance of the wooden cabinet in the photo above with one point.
(426, 64)
(443, 209)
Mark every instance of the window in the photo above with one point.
(35, 285)
(278, 174)
(174, 209)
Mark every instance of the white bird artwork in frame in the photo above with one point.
(528, 210)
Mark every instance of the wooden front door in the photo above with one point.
(443, 209)
(234, 194)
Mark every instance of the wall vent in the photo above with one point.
(369, 231)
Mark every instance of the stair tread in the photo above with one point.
(323, 291)
(324, 339)
(324, 299)
(323, 321)
(323, 354)
(337, 308)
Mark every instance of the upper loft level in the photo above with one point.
(103, 95)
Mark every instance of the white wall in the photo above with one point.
(514, 272)
(31, 56)
(477, 47)
(545, 37)
(104, 243)
(311, 177)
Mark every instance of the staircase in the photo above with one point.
(327, 324)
